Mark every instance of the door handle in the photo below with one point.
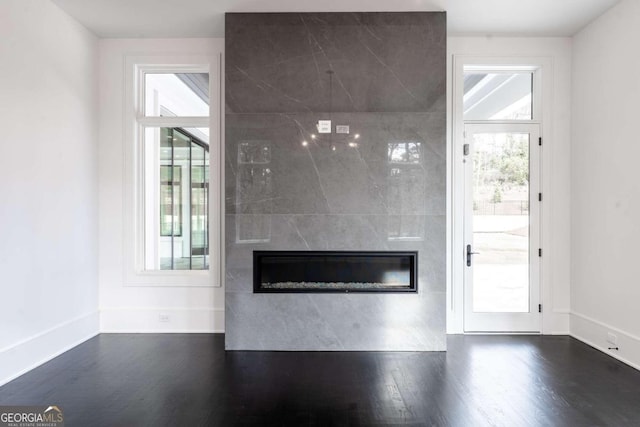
(469, 253)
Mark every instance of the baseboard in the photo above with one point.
(32, 352)
(554, 323)
(594, 333)
(161, 320)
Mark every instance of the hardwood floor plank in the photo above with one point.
(188, 379)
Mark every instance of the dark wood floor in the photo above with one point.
(189, 380)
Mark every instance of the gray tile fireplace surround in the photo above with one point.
(383, 190)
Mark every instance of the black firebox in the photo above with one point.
(334, 271)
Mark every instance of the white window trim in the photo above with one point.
(542, 113)
(133, 180)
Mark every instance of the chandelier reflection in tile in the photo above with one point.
(325, 131)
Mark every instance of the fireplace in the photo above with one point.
(334, 271)
(376, 182)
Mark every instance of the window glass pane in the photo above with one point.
(199, 207)
(170, 201)
(498, 96)
(176, 95)
(176, 199)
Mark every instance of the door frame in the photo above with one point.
(528, 322)
(543, 93)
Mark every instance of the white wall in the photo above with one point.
(556, 159)
(605, 182)
(48, 184)
(126, 308)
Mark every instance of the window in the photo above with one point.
(176, 94)
(497, 95)
(173, 235)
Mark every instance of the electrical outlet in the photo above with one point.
(163, 318)
(612, 338)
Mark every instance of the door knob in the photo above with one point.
(469, 253)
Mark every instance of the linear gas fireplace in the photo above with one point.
(334, 271)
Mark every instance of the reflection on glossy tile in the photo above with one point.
(254, 190)
(405, 228)
(404, 152)
(406, 189)
(254, 152)
(253, 229)
(350, 179)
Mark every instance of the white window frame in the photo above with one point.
(542, 101)
(135, 122)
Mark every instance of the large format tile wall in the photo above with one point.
(387, 193)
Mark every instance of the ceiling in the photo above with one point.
(205, 18)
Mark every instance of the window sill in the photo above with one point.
(171, 278)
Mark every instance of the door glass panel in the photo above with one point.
(498, 96)
(501, 222)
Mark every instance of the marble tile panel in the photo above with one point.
(290, 322)
(379, 62)
(321, 322)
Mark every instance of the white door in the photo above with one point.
(502, 228)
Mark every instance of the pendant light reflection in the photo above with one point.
(326, 126)
(351, 144)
